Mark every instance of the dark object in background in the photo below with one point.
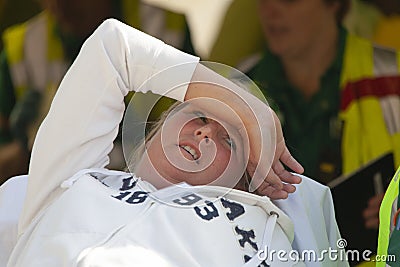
(351, 194)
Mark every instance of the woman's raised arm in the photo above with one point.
(83, 120)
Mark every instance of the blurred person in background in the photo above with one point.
(376, 20)
(16, 11)
(240, 34)
(37, 54)
(336, 94)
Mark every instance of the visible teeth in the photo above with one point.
(191, 151)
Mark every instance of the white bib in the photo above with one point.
(118, 220)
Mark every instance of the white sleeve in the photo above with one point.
(83, 120)
(312, 211)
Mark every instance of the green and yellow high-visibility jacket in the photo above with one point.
(370, 103)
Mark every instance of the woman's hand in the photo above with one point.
(258, 123)
(278, 172)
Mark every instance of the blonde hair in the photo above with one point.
(152, 129)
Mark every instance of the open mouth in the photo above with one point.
(191, 151)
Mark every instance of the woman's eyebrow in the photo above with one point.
(201, 113)
(179, 107)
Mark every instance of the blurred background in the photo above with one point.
(308, 57)
(377, 20)
(204, 17)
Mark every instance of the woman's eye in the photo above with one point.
(201, 116)
(204, 119)
(231, 143)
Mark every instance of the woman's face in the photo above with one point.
(193, 146)
(291, 26)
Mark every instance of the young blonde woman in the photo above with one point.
(77, 213)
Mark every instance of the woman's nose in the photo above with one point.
(204, 132)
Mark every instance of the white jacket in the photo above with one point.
(108, 218)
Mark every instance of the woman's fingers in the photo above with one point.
(284, 174)
(257, 180)
(268, 161)
(273, 193)
(267, 190)
(272, 185)
(288, 160)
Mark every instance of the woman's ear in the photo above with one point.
(339, 8)
(335, 7)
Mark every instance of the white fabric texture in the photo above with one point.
(312, 212)
(12, 195)
(310, 207)
(119, 222)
